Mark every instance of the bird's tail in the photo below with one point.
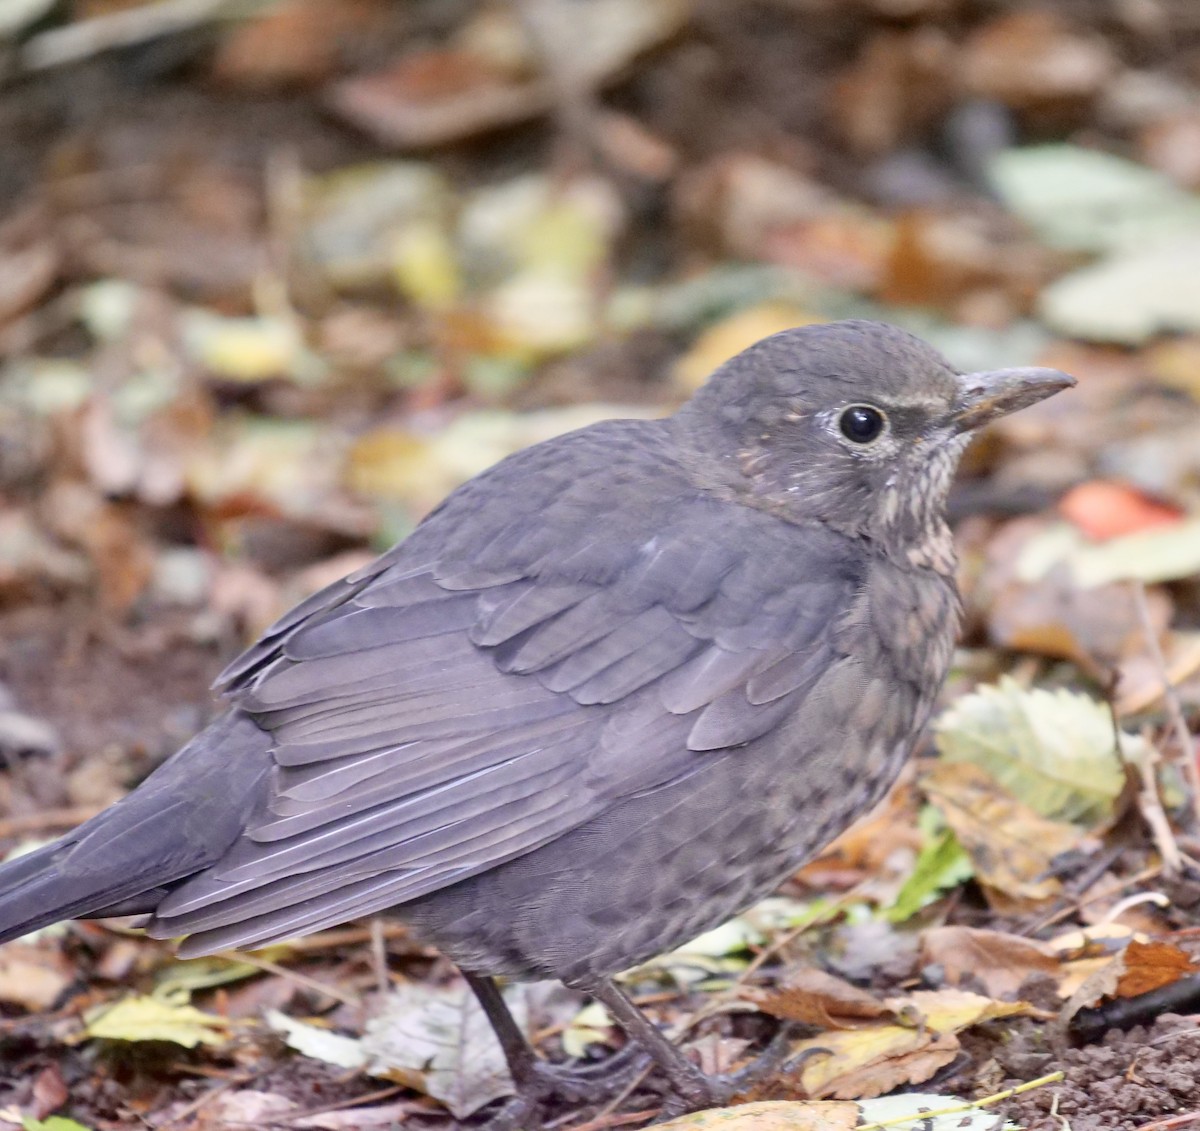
(181, 819)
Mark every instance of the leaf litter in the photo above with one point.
(239, 351)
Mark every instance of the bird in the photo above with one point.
(608, 694)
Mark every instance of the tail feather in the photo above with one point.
(182, 819)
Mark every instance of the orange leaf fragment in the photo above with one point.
(1103, 510)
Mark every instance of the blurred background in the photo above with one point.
(276, 275)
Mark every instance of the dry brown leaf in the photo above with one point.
(1138, 969)
(771, 1115)
(1000, 962)
(1030, 58)
(1009, 844)
(33, 976)
(1148, 966)
(1140, 677)
(818, 998)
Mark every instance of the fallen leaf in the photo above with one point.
(317, 1042)
(1139, 968)
(771, 1115)
(1000, 962)
(142, 1018)
(32, 976)
(871, 1062)
(1162, 554)
(1147, 966)
(1086, 200)
(53, 1123)
(1010, 845)
(1129, 296)
(592, 1025)
(1105, 510)
(817, 998)
(1140, 677)
(1033, 57)
(940, 865)
(1051, 750)
(960, 1115)
(438, 1040)
(731, 335)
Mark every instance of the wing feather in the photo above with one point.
(478, 692)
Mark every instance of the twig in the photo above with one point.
(269, 967)
(957, 1109)
(623, 1120)
(1170, 697)
(1188, 1117)
(379, 956)
(342, 1105)
(1144, 876)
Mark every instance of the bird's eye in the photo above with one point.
(862, 423)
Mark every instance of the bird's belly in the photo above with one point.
(658, 869)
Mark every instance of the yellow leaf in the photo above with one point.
(150, 1019)
(425, 265)
(731, 335)
(1010, 845)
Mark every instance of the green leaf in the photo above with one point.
(1052, 750)
(53, 1123)
(941, 864)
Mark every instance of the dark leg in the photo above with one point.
(692, 1084)
(696, 1088)
(534, 1078)
(522, 1060)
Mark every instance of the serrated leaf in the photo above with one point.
(144, 1018)
(1052, 750)
(317, 1043)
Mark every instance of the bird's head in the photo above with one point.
(858, 425)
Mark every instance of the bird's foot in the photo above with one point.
(582, 1083)
(588, 1083)
(698, 1090)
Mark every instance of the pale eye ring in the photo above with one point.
(862, 423)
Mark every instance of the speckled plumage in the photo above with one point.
(608, 694)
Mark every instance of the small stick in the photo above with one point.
(1170, 697)
(379, 956)
(269, 967)
(956, 1109)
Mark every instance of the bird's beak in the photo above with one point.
(985, 396)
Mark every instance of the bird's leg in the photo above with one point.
(696, 1088)
(534, 1078)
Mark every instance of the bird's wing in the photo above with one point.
(500, 678)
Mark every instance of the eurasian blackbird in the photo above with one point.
(608, 694)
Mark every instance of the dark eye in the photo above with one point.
(861, 423)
